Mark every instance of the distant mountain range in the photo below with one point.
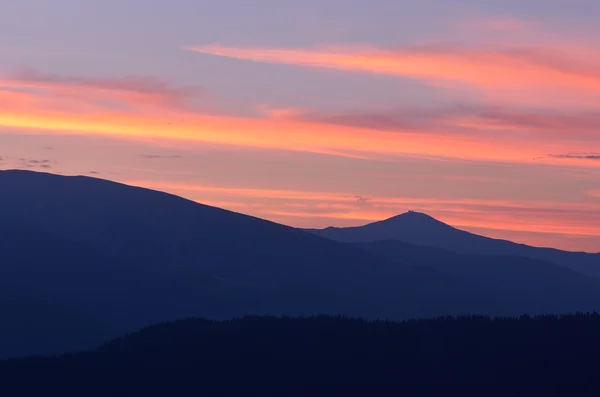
(83, 260)
(421, 229)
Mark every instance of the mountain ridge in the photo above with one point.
(189, 259)
(424, 230)
(128, 257)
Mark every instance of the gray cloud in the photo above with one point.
(35, 163)
(583, 156)
(360, 199)
(159, 156)
(397, 120)
(137, 84)
(427, 119)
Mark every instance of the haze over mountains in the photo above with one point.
(96, 259)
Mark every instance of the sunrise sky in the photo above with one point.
(484, 114)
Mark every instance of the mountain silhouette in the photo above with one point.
(58, 295)
(527, 285)
(127, 257)
(421, 229)
(83, 260)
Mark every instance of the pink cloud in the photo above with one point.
(130, 90)
(481, 67)
(467, 121)
(73, 105)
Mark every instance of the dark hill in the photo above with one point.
(127, 257)
(319, 356)
(85, 259)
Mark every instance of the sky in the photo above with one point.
(484, 114)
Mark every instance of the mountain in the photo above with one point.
(102, 258)
(58, 295)
(83, 260)
(421, 229)
(524, 284)
(307, 356)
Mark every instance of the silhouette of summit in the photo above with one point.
(414, 227)
(100, 252)
(84, 260)
(415, 220)
(421, 229)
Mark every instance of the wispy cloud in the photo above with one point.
(580, 156)
(594, 193)
(34, 163)
(480, 118)
(27, 162)
(123, 91)
(140, 84)
(479, 67)
(28, 111)
(74, 105)
(160, 156)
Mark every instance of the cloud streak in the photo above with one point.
(594, 193)
(134, 91)
(445, 134)
(160, 156)
(464, 119)
(582, 156)
(479, 67)
(27, 162)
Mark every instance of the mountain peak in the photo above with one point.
(414, 214)
(413, 217)
(404, 227)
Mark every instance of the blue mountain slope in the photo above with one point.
(527, 285)
(92, 259)
(127, 257)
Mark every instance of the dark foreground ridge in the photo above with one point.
(301, 356)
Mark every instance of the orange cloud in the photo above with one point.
(277, 112)
(486, 68)
(31, 111)
(502, 24)
(87, 106)
(463, 120)
(131, 90)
